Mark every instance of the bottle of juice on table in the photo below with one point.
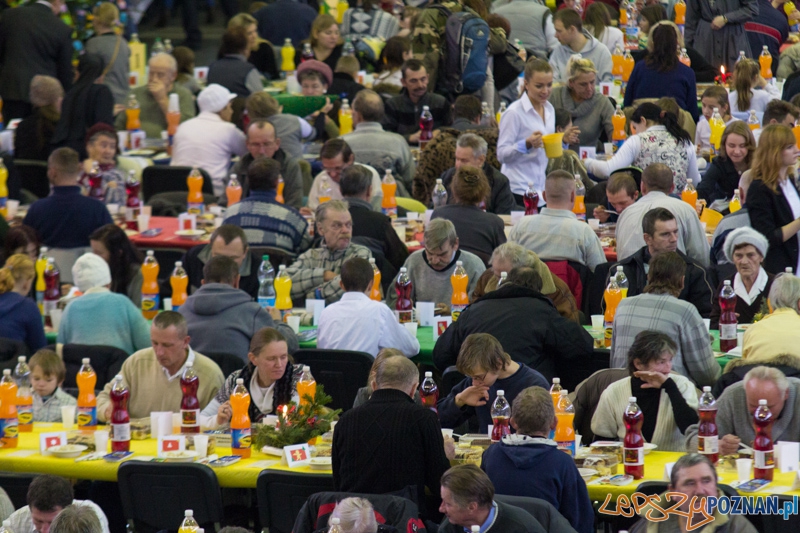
(389, 188)
(52, 291)
(684, 58)
(308, 53)
(283, 291)
(41, 264)
(763, 448)
(233, 191)
(376, 292)
(279, 190)
(266, 283)
(404, 305)
(736, 202)
(459, 300)
(306, 385)
(752, 121)
(500, 112)
(189, 524)
(345, 117)
(194, 200)
(579, 208)
(612, 297)
(618, 136)
(531, 200)
(132, 111)
(616, 63)
(565, 430)
(335, 527)
(765, 60)
(680, 14)
(9, 424)
(324, 190)
(622, 281)
(150, 294)
(501, 413)
(439, 195)
(727, 318)
(689, 193)
(179, 281)
(240, 421)
(623, 15)
(555, 395)
(717, 128)
(3, 190)
(120, 419)
(287, 57)
(87, 401)
(707, 432)
(633, 443)
(429, 392)
(627, 67)
(425, 127)
(173, 119)
(22, 377)
(190, 406)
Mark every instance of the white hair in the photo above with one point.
(162, 56)
(355, 515)
(768, 373)
(785, 292)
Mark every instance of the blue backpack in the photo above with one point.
(465, 52)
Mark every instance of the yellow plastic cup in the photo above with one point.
(552, 145)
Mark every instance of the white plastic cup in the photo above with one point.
(122, 140)
(740, 340)
(401, 232)
(598, 321)
(101, 440)
(743, 467)
(176, 423)
(707, 322)
(201, 445)
(411, 327)
(113, 209)
(11, 208)
(55, 318)
(594, 223)
(608, 148)
(578, 442)
(167, 304)
(147, 210)
(137, 139)
(68, 416)
(447, 433)
(144, 222)
(294, 323)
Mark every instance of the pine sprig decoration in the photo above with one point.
(298, 424)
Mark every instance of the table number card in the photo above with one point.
(48, 440)
(588, 152)
(668, 471)
(297, 455)
(187, 221)
(171, 443)
(440, 325)
(788, 454)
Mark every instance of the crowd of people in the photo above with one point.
(314, 188)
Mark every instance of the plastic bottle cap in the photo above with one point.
(459, 263)
(556, 380)
(619, 268)
(239, 381)
(689, 181)
(438, 181)
(762, 402)
(428, 374)
(85, 361)
(476, 529)
(727, 282)
(189, 364)
(178, 263)
(403, 269)
(188, 512)
(371, 259)
(564, 392)
(118, 377)
(706, 389)
(21, 359)
(530, 185)
(7, 372)
(501, 393)
(306, 368)
(282, 267)
(334, 521)
(632, 399)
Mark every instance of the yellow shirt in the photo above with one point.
(775, 334)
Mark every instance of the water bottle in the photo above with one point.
(348, 49)
(501, 413)
(266, 283)
(439, 195)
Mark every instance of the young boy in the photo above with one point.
(715, 96)
(47, 375)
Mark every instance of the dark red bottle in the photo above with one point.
(120, 420)
(404, 305)
(425, 126)
(95, 178)
(707, 432)
(531, 199)
(429, 392)
(763, 450)
(190, 406)
(132, 190)
(727, 318)
(633, 443)
(52, 291)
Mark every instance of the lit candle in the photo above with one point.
(285, 408)
(722, 71)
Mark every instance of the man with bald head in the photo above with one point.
(377, 148)
(556, 234)
(262, 141)
(153, 98)
(657, 185)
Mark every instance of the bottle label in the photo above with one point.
(390, 211)
(403, 316)
(727, 331)
(49, 305)
(708, 445)
(87, 416)
(266, 302)
(764, 459)
(150, 302)
(609, 333)
(240, 438)
(456, 310)
(567, 446)
(194, 208)
(633, 456)
(25, 414)
(120, 432)
(190, 417)
(9, 428)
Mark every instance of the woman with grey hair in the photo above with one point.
(779, 332)
(746, 249)
(32, 138)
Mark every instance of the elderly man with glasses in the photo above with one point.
(337, 156)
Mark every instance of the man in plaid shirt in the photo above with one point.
(315, 274)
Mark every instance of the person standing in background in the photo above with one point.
(716, 29)
(114, 50)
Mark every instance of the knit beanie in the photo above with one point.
(745, 236)
(89, 271)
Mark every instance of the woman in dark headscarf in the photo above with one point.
(85, 104)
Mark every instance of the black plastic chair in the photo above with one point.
(543, 511)
(33, 176)
(226, 362)
(162, 178)
(277, 256)
(11, 349)
(16, 486)
(105, 360)
(281, 495)
(155, 495)
(342, 372)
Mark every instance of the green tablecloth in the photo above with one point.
(424, 336)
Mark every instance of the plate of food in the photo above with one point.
(190, 234)
(649, 447)
(180, 456)
(587, 473)
(320, 463)
(67, 451)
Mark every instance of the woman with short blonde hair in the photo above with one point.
(262, 55)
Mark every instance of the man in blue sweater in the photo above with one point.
(530, 464)
(66, 218)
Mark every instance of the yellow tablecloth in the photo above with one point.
(27, 459)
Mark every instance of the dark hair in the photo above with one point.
(658, 214)
(569, 18)
(356, 274)
(46, 493)
(76, 519)
(658, 177)
(369, 105)
(229, 233)
(234, 41)
(688, 461)
(648, 346)
(334, 147)
(598, 17)
(167, 319)
(778, 109)
(467, 107)
(498, 21)
(184, 57)
(312, 75)
(264, 174)
(392, 53)
(220, 269)
(90, 67)
(284, 386)
(666, 271)
(478, 6)
(122, 255)
(653, 113)
(654, 14)
(526, 277)
(470, 186)
(467, 483)
(664, 56)
(355, 181)
(19, 237)
(413, 65)
(563, 118)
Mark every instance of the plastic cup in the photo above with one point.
(143, 222)
(707, 322)
(411, 327)
(740, 340)
(167, 304)
(597, 321)
(578, 442)
(401, 232)
(101, 441)
(294, 323)
(743, 467)
(11, 208)
(447, 433)
(201, 445)
(68, 416)
(122, 140)
(55, 318)
(552, 145)
(594, 223)
(608, 148)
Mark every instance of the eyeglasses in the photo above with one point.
(480, 378)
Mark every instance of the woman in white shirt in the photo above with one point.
(268, 377)
(519, 144)
(657, 138)
(752, 92)
(597, 21)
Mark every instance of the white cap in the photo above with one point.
(306, 368)
(556, 380)
(118, 377)
(632, 399)
(214, 98)
(188, 512)
(90, 271)
(475, 529)
(239, 381)
(21, 359)
(189, 364)
(619, 268)
(371, 259)
(85, 360)
(501, 392)
(459, 263)
(689, 181)
(42, 249)
(706, 389)
(426, 108)
(178, 263)
(150, 252)
(428, 374)
(7, 372)
(438, 180)
(334, 521)
(727, 282)
(174, 103)
(403, 269)
(564, 392)
(760, 402)
(281, 267)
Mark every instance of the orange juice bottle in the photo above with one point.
(618, 136)
(287, 56)
(132, 112)
(87, 402)
(375, 293)
(306, 385)
(765, 60)
(9, 425)
(752, 121)
(717, 128)
(179, 281)
(389, 202)
(240, 421)
(173, 119)
(233, 191)
(283, 291)
(612, 297)
(736, 202)
(194, 202)
(689, 194)
(580, 193)
(680, 13)
(22, 375)
(459, 300)
(565, 430)
(627, 66)
(616, 62)
(623, 15)
(324, 190)
(345, 118)
(150, 293)
(684, 58)
(279, 195)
